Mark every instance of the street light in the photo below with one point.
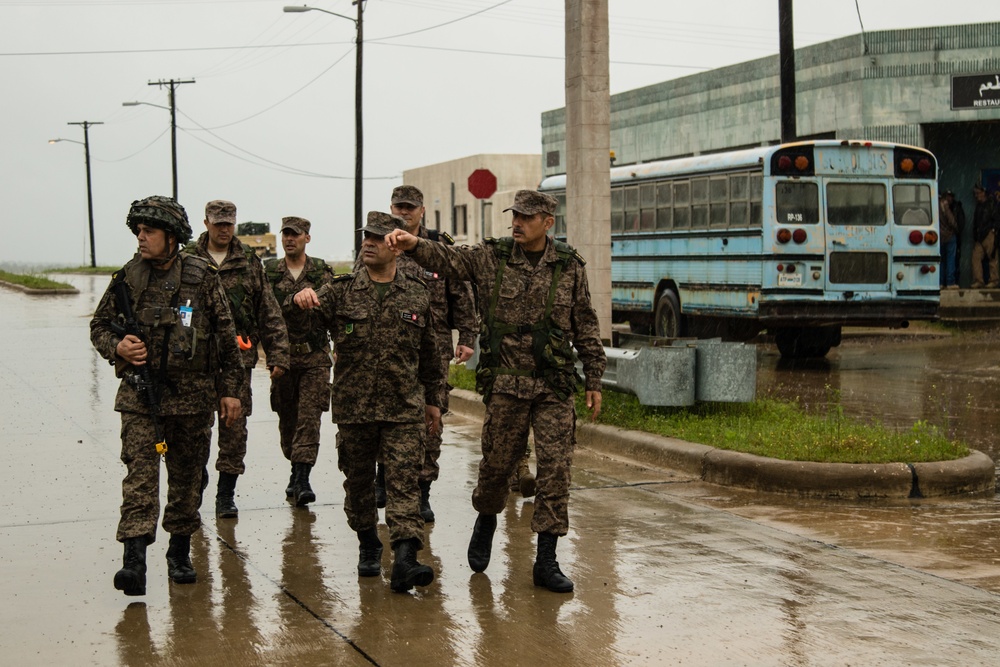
(358, 131)
(90, 198)
(172, 85)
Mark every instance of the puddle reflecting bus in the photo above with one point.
(796, 240)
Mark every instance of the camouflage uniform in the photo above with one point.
(257, 317)
(387, 370)
(520, 401)
(302, 395)
(189, 396)
(454, 307)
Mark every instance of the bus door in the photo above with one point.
(858, 237)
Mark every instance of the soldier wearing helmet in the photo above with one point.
(178, 342)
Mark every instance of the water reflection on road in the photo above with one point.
(951, 380)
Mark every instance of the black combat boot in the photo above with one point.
(290, 489)
(481, 544)
(425, 502)
(546, 571)
(379, 486)
(369, 553)
(179, 567)
(300, 486)
(225, 504)
(406, 571)
(131, 579)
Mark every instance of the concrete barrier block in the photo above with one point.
(973, 475)
(661, 376)
(725, 372)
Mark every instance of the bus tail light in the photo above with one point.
(930, 237)
(928, 268)
(914, 163)
(784, 235)
(916, 237)
(799, 236)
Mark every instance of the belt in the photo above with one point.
(300, 348)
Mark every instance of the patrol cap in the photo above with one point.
(220, 210)
(297, 225)
(407, 194)
(380, 223)
(529, 202)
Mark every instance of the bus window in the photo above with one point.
(664, 199)
(718, 193)
(631, 209)
(647, 207)
(738, 187)
(699, 203)
(855, 204)
(561, 215)
(738, 211)
(796, 203)
(682, 201)
(911, 204)
(617, 212)
(756, 194)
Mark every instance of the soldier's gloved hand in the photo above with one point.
(463, 353)
(306, 299)
(229, 410)
(132, 350)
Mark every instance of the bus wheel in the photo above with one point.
(668, 321)
(803, 343)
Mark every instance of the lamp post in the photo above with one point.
(358, 131)
(172, 85)
(86, 124)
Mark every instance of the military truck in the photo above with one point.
(258, 236)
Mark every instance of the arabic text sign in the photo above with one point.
(977, 91)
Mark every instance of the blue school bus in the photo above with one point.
(797, 240)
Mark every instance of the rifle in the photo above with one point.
(140, 378)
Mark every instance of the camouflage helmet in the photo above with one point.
(160, 212)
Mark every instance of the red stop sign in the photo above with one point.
(482, 184)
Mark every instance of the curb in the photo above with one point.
(974, 475)
(31, 291)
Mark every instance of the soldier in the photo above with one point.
(301, 396)
(258, 319)
(453, 305)
(388, 389)
(168, 354)
(534, 303)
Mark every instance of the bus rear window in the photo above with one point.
(796, 203)
(911, 204)
(862, 204)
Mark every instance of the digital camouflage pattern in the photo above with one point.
(407, 194)
(387, 370)
(301, 395)
(393, 336)
(257, 318)
(401, 447)
(530, 202)
(199, 355)
(505, 433)
(189, 438)
(161, 213)
(518, 400)
(453, 306)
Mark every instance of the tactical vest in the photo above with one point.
(189, 348)
(318, 338)
(555, 358)
(240, 304)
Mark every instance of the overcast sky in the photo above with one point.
(269, 123)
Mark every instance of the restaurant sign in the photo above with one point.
(976, 91)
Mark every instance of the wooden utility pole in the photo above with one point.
(786, 55)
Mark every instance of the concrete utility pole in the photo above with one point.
(786, 56)
(588, 145)
(172, 84)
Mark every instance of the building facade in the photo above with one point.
(450, 207)
(938, 88)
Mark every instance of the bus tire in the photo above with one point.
(668, 323)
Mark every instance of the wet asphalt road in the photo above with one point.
(668, 571)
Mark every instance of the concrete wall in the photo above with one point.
(884, 85)
(445, 185)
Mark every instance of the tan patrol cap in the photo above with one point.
(297, 225)
(220, 210)
(529, 202)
